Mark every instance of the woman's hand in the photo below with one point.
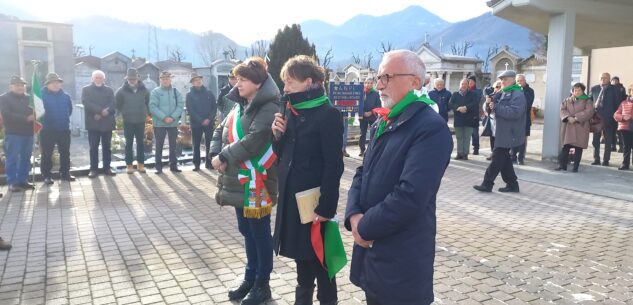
(279, 126)
(316, 218)
(218, 164)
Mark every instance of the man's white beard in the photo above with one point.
(387, 102)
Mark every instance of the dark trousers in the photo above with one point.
(627, 138)
(501, 163)
(105, 138)
(196, 138)
(259, 245)
(48, 140)
(371, 300)
(608, 135)
(475, 137)
(364, 125)
(307, 271)
(620, 140)
(520, 151)
(133, 131)
(564, 156)
(492, 143)
(159, 134)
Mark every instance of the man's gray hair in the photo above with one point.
(98, 72)
(412, 60)
(521, 75)
(438, 80)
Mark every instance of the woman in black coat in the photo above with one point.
(307, 142)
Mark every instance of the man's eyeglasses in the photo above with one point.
(385, 78)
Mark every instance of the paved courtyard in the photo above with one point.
(147, 239)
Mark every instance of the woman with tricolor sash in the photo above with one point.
(242, 153)
(308, 139)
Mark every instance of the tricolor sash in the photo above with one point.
(252, 173)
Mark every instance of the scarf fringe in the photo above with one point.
(258, 212)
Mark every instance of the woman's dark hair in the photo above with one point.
(301, 67)
(253, 69)
(580, 85)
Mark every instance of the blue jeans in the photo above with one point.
(18, 150)
(259, 246)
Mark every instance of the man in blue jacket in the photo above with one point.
(440, 96)
(509, 132)
(371, 102)
(201, 106)
(55, 128)
(391, 203)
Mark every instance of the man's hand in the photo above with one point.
(279, 126)
(30, 118)
(354, 220)
(218, 164)
(97, 117)
(105, 112)
(168, 120)
(206, 122)
(571, 120)
(367, 114)
(626, 117)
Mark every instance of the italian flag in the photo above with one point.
(35, 102)
(329, 247)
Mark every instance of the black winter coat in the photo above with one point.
(200, 105)
(15, 109)
(310, 156)
(95, 99)
(470, 117)
(372, 101)
(609, 104)
(529, 101)
(396, 190)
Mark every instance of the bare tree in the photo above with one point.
(230, 52)
(356, 58)
(327, 59)
(412, 46)
(492, 50)
(369, 57)
(78, 51)
(259, 48)
(208, 49)
(176, 54)
(461, 49)
(539, 43)
(385, 47)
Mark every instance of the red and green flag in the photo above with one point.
(36, 103)
(329, 247)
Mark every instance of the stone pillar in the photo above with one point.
(448, 81)
(562, 29)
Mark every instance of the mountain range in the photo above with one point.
(360, 36)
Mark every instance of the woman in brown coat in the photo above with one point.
(575, 113)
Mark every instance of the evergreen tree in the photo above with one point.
(288, 42)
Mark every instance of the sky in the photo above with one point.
(241, 20)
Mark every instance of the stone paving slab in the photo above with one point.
(147, 239)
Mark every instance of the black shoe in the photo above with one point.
(458, 157)
(489, 158)
(575, 170)
(196, 168)
(476, 151)
(605, 163)
(241, 291)
(71, 178)
(208, 165)
(483, 188)
(509, 189)
(109, 172)
(521, 162)
(595, 162)
(15, 188)
(27, 186)
(560, 168)
(303, 295)
(175, 170)
(92, 174)
(465, 157)
(620, 150)
(48, 180)
(4, 246)
(259, 294)
(623, 167)
(158, 171)
(362, 153)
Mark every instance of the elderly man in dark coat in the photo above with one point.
(391, 203)
(605, 98)
(509, 114)
(99, 105)
(518, 153)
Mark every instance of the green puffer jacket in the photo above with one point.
(164, 103)
(257, 118)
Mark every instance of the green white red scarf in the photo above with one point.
(514, 87)
(252, 173)
(389, 114)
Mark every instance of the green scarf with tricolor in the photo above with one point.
(398, 109)
(582, 97)
(252, 173)
(328, 247)
(313, 103)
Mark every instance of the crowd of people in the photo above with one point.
(269, 146)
